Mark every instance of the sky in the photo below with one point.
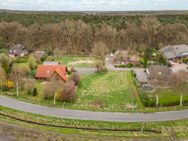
(94, 5)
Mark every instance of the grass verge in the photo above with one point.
(149, 129)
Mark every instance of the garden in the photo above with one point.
(107, 91)
(167, 98)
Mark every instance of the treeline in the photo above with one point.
(116, 20)
(77, 36)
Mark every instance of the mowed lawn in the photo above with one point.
(111, 91)
(77, 61)
(167, 97)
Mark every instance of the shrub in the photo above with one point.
(5, 62)
(32, 73)
(120, 56)
(69, 92)
(50, 58)
(32, 62)
(72, 70)
(49, 90)
(21, 60)
(58, 95)
(185, 60)
(98, 103)
(75, 77)
(35, 92)
(8, 85)
(148, 101)
(161, 59)
(100, 66)
(29, 86)
(129, 65)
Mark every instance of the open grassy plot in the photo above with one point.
(77, 61)
(112, 91)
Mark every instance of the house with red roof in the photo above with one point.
(48, 71)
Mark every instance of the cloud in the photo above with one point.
(91, 5)
(160, 0)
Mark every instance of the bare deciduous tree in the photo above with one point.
(69, 92)
(99, 51)
(179, 84)
(18, 74)
(75, 77)
(2, 77)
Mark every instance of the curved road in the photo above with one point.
(88, 115)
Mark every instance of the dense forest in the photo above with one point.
(77, 33)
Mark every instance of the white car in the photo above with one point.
(171, 63)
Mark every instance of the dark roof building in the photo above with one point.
(18, 51)
(175, 51)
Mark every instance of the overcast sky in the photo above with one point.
(94, 5)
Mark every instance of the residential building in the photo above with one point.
(175, 52)
(51, 63)
(18, 51)
(46, 72)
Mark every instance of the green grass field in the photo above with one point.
(77, 61)
(112, 91)
(167, 97)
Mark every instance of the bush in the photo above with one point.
(50, 58)
(161, 59)
(5, 62)
(9, 84)
(29, 86)
(124, 65)
(75, 77)
(32, 63)
(49, 90)
(21, 60)
(148, 101)
(72, 70)
(35, 92)
(58, 96)
(185, 60)
(69, 92)
(32, 73)
(100, 66)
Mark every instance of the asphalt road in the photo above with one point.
(88, 115)
(4, 139)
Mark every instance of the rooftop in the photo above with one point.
(175, 51)
(45, 71)
(50, 63)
